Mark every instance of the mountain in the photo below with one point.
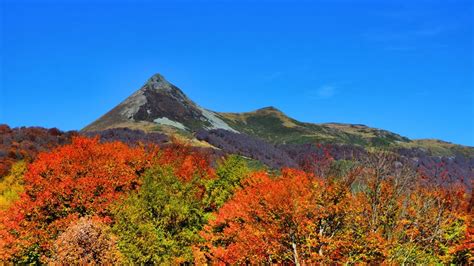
(161, 106)
(159, 103)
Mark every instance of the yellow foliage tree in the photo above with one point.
(11, 185)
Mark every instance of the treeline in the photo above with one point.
(104, 202)
(25, 143)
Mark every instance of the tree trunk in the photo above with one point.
(295, 254)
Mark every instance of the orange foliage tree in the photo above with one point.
(186, 161)
(293, 218)
(434, 227)
(75, 180)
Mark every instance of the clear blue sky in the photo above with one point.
(405, 66)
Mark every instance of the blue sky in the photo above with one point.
(405, 66)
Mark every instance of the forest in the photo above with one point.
(128, 197)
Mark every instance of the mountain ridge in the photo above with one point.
(161, 106)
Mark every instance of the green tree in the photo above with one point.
(230, 172)
(160, 223)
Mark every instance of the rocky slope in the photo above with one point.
(159, 103)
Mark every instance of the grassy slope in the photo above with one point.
(441, 148)
(274, 126)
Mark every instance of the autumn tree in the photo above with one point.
(160, 223)
(86, 241)
(317, 161)
(75, 180)
(230, 171)
(419, 216)
(432, 226)
(187, 162)
(385, 181)
(11, 185)
(292, 218)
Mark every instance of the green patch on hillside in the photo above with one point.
(440, 148)
(272, 125)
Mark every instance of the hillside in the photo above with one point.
(273, 125)
(159, 106)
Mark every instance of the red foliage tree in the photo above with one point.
(187, 162)
(79, 179)
(318, 161)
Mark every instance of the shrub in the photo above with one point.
(86, 241)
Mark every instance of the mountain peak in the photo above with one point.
(158, 82)
(156, 78)
(269, 109)
(159, 103)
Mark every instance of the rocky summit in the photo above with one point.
(159, 103)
